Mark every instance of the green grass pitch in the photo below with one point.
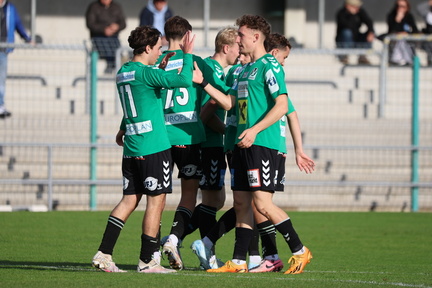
(54, 249)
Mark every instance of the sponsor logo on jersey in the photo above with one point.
(242, 111)
(271, 82)
(181, 117)
(253, 74)
(254, 178)
(174, 64)
(151, 183)
(125, 77)
(139, 128)
(242, 89)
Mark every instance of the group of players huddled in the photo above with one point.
(184, 110)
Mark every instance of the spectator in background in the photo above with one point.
(155, 14)
(105, 19)
(349, 19)
(400, 21)
(425, 11)
(9, 23)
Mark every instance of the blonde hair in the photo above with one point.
(226, 36)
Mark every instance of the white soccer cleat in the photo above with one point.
(153, 267)
(105, 263)
(173, 254)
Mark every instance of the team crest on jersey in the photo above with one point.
(254, 178)
(244, 74)
(151, 184)
(253, 74)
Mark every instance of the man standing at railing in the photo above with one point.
(9, 22)
(349, 20)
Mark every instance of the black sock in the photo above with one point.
(253, 246)
(207, 219)
(287, 230)
(225, 224)
(267, 232)
(149, 245)
(193, 223)
(242, 240)
(181, 220)
(111, 234)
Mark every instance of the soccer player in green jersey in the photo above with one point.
(146, 165)
(212, 151)
(262, 101)
(186, 132)
(278, 46)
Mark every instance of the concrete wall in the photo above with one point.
(63, 21)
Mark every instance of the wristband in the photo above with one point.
(204, 83)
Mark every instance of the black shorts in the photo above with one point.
(280, 172)
(254, 168)
(188, 160)
(213, 168)
(150, 174)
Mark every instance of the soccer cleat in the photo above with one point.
(173, 254)
(268, 266)
(104, 263)
(215, 262)
(253, 264)
(203, 253)
(299, 262)
(153, 267)
(230, 267)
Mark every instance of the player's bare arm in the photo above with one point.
(226, 102)
(303, 161)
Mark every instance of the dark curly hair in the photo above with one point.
(142, 36)
(255, 22)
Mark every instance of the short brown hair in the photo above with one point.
(276, 41)
(176, 27)
(141, 37)
(255, 22)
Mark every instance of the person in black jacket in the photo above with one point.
(349, 19)
(400, 21)
(105, 19)
(155, 14)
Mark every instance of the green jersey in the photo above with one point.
(139, 88)
(259, 84)
(182, 106)
(213, 138)
(231, 119)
